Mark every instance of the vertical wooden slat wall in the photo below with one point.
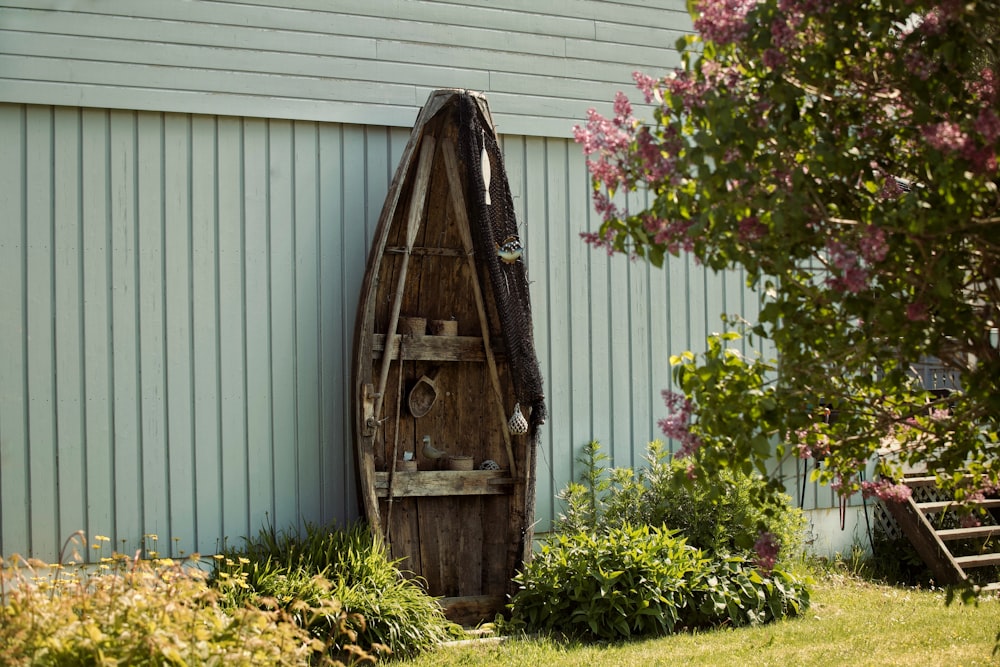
(179, 294)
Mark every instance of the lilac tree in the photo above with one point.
(844, 154)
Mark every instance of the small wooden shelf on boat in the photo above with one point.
(436, 348)
(432, 252)
(445, 483)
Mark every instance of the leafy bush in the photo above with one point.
(732, 591)
(386, 612)
(137, 612)
(651, 551)
(632, 581)
(622, 582)
(722, 515)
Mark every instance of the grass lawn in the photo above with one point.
(850, 622)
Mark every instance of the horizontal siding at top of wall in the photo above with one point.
(353, 61)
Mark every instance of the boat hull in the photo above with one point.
(433, 373)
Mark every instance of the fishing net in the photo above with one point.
(494, 226)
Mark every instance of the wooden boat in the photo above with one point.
(446, 256)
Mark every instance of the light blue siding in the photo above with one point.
(180, 293)
(68, 308)
(14, 470)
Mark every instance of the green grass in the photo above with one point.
(851, 622)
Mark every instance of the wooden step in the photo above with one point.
(982, 560)
(919, 481)
(932, 544)
(945, 505)
(932, 550)
(968, 533)
(923, 481)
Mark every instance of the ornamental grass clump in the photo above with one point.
(387, 613)
(137, 612)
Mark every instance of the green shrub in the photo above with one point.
(387, 612)
(722, 515)
(617, 583)
(653, 550)
(137, 612)
(633, 581)
(732, 591)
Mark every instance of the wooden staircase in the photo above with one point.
(932, 544)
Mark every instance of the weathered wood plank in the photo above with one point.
(471, 609)
(937, 506)
(415, 213)
(436, 252)
(979, 560)
(471, 552)
(437, 348)
(914, 524)
(434, 545)
(444, 483)
(976, 532)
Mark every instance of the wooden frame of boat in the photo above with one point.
(464, 532)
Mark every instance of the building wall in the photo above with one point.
(370, 62)
(185, 211)
(179, 294)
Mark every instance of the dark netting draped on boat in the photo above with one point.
(495, 233)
